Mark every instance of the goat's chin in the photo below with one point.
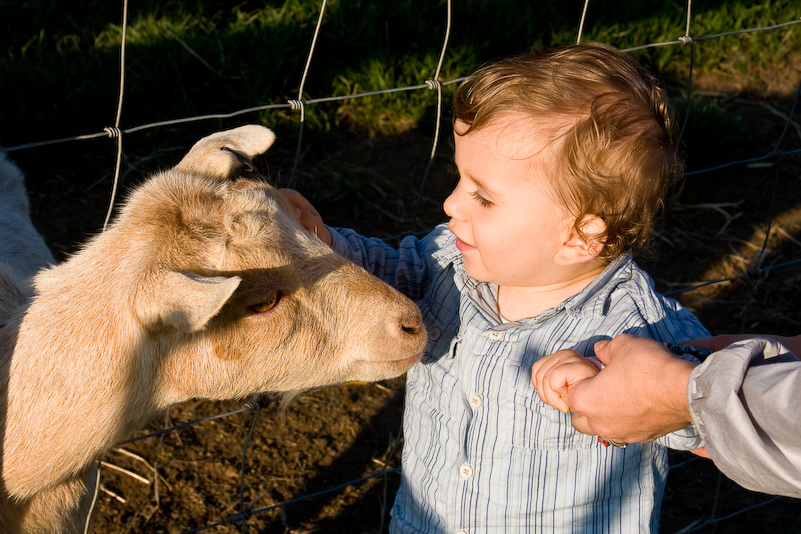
(374, 370)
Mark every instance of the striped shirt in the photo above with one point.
(482, 453)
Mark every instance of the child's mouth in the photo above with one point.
(463, 247)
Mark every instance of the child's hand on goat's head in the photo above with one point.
(553, 375)
(307, 215)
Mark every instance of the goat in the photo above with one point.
(204, 286)
(19, 240)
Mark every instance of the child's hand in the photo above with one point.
(555, 374)
(307, 216)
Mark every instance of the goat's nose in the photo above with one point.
(412, 323)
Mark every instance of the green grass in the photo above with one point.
(60, 64)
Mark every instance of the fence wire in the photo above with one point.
(434, 84)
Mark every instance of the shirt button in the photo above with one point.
(465, 470)
(495, 335)
(433, 334)
(475, 400)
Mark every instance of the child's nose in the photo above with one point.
(452, 206)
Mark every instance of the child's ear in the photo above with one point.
(577, 250)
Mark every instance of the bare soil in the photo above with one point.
(714, 227)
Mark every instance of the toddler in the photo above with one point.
(563, 159)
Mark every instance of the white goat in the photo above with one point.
(20, 243)
(205, 286)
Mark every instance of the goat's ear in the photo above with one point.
(221, 154)
(188, 301)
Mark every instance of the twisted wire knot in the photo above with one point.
(295, 104)
(254, 403)
(754, 273)
(260, 401)
(433, 84)
(113, 132)
(241, 517)
(685, 39)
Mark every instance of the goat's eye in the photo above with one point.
(266, 305)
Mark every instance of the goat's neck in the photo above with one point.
(75, 384)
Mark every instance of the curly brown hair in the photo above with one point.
(612, 124)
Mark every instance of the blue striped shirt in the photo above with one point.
(482, 453)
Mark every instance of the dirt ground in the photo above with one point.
(714, 228)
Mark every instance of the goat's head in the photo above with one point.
(241, 296)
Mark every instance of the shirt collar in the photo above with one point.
(591, 301)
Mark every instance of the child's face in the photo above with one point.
(509, 228)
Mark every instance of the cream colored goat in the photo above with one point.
(203, 287)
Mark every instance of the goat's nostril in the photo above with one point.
(412, 326)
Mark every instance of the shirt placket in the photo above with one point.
(482, 395)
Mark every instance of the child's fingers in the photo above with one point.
(544, 364)
(539, 369)
(311, 222)
(298, 201)
(307, 215)
(293, 197)
(550, 387)
(554, 386)
(555, 375)
(307, 220)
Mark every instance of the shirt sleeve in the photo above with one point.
(743, 401)
(406, 268)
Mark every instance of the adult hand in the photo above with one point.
(307, 215)
(639, 396)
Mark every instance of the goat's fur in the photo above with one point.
(163, 307)
(19, 240)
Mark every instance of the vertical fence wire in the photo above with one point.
(115, 132)
(583, 19)
(434, 84)
(298, 104)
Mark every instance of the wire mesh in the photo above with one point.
(755, 273)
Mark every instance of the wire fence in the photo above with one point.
(783, 150)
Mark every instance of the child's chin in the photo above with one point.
(475, 272)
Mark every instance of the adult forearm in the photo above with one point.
(742, 400)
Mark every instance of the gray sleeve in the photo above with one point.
(743, 400)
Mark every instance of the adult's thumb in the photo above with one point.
(602, 351)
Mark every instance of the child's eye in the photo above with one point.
(483, 202)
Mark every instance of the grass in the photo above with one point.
(190, 57)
